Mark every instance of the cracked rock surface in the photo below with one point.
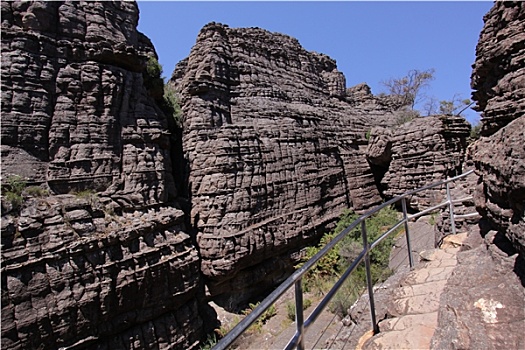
(275, 146)
(112, 268)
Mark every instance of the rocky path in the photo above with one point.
(415, 303)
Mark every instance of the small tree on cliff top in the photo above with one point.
(407, 90)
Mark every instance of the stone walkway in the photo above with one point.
(413, 306)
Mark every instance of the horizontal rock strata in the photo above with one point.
(72, 274)
(276, 150)
(110, 267)
(75, 111)
(417, 153)
(498, 76)
(499, 80)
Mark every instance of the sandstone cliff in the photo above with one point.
(276, 150)
(483, 304)
(108, 270)
(417, 153)
(498, 76)
(275, 145)
(499, 80)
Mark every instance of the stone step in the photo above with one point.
(415, 303)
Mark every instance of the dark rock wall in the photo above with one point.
(276, 150)
(498, 76)
(75, 111)
(75, 276)
(113, 270)
(499, 80)
(417, 153)
(482, 304)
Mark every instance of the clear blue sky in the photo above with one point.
(371, 41)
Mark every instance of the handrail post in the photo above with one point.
(299, 316)
(369, 281)
(451, 210)
(407, 233)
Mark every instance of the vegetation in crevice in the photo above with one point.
(164, 94)
(475, 132)
(213, 338)
(323, 275)
(290, 308)
(167, 100)
(15, 191)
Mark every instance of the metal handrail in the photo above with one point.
(296, 277)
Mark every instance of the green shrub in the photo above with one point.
(335, 262)
(153, 80)
(16, 200)
(171, 105)
(290, 307)
(258, 324)
(16, 184)
(348, 293)
(164, 94)
(432, 219)
(211, 341)
(12, 190)
(475, 131)
(153, 67)
(36, 191)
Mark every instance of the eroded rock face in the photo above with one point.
(115, 269)
(417, 153)
(74, 275)
(500, 195)
(75, 111)
(276, 150)
(482, 306)
(499, 78)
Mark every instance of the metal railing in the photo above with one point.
(296, 278)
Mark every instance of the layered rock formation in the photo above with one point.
(417, 153)
(499, 81)
(276, 150)
(498, 77)
(483, 304)
(75, 111)
(77, 115)
(75, 277)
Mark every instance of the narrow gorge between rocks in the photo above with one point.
(120, 227)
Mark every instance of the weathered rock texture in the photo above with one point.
(417, 153)
(77, 115)
(75, 276)
(499, 78)
(484, 302)
(276, 150)
(75, 111)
